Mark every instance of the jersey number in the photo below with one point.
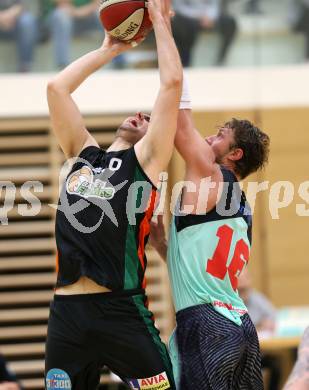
(217, 265)
(115, 164)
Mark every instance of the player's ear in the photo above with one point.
(236, 154)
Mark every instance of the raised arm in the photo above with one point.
(66, 119)
(198, 155)
(193, 148)
(155, 149)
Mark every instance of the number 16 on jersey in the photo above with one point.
(217, 265)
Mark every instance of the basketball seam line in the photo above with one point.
(127, 19)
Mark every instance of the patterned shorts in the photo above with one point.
(216, 354)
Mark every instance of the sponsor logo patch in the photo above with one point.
(230, 307)
(57, 379)
(158, 382)
(82, 183)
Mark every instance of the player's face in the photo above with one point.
(136, 126)
(221, 143)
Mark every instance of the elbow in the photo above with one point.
(54, 88)
(174, 82)
(177, 79)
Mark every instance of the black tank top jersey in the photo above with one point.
(103, 220)
(233, 200)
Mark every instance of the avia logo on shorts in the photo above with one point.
(158, 382)
(57, 379)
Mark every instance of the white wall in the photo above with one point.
(126, 91)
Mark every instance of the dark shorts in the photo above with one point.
(87, 332)
(215, 353)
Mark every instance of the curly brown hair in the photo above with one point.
(254, 144)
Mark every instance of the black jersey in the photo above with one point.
(103, 220)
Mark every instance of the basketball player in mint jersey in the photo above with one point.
(215, 345)
(99, 314)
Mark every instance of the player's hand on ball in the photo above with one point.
(118, 46)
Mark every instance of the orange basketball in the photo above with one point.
(126, 20)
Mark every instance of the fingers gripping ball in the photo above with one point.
(126, 20)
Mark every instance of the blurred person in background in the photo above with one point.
(194, 16)
(299, 16)
(253, 7)
(16, 23)
(263, 316)
(261, 310)
(63, 19)
(8, 380)
(299, 378)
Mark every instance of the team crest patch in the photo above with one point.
(57, 379)
(81, 183)
(158, 382)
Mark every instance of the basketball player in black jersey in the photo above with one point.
(99, 314)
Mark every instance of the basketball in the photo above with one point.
(126, 20)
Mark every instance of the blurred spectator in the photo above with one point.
(19, 24)
(66, 18)
(253, 7)
(299, 378)
(263, 315)
(300, 20)
(194, 16)
(7, 379)
(261, 311)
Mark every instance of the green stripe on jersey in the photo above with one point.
(132, 264)
(133, 267)
(155, 334)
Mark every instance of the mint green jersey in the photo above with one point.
(205, 257)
